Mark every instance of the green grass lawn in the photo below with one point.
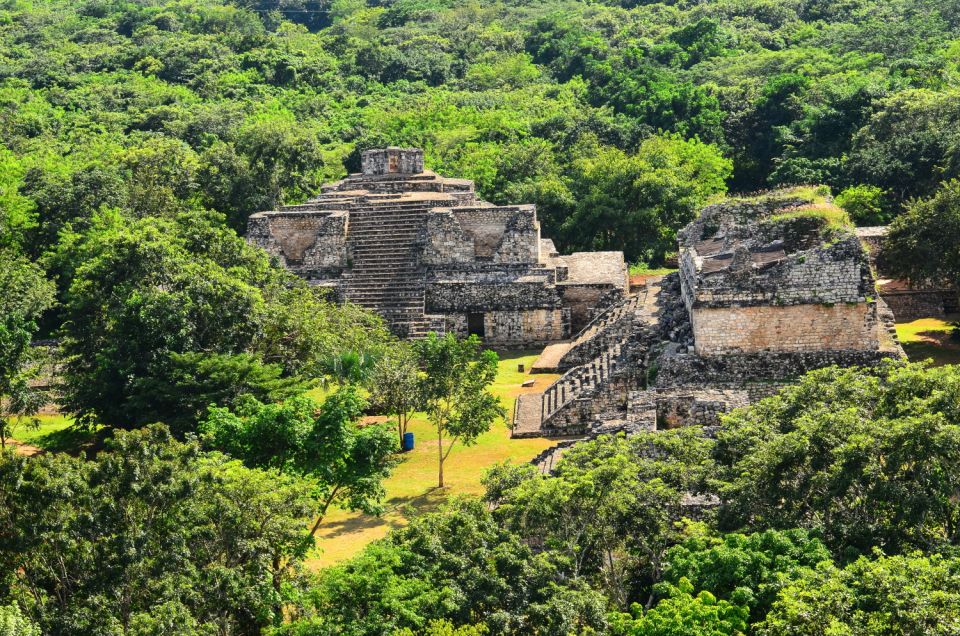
(930, 338)
(638, 269)
(413, 487)
(55, 434)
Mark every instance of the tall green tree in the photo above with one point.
(459, 565)
(910, 594)
(165, 316)
(395, 385)
(150, 537)
(683, 614)
(866, 457)
(608, 512)
(637, 202)
(346, 462)
(24, 295)
(923, 244)
(14, 623)
(455, 389)
(748, 570)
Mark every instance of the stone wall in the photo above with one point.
(444, 240)
(582, 300)
(503, 235)
(511, 329)
(660, 409)
(917, 303)
(774, 368)
(469, 295)
(308, 241)
(834, 273)
(592, 408)
(522, 328)
(788, 328)
(907, 301)
(392, 161)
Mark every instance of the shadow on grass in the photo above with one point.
(399, 511)
(941, 354)
(73, 440)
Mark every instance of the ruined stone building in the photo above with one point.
(907, 301)
(427, 254)
(768, 289)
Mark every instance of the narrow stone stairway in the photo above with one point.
(386, 276)
(534, 412)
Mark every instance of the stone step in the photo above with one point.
(374, 251)
(385, 218)
(388, 236)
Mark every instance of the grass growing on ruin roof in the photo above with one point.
(808, 193)
(413, 487)
(833, 217)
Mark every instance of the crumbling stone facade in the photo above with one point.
(907, 300)
(772, 276)
(768, 289)
(428, 255)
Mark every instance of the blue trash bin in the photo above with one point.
(408, 441)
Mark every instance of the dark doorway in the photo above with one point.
(475, 324)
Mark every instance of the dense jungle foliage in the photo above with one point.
(617, 118)
(830, 508)
(137, 136)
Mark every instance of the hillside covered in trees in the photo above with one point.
(617, 118)
(225, 399)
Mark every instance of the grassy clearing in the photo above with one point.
(642, 269)
(930, 338)
(55, 434)
(413, 487)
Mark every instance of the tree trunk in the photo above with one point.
(323, 512)
(440, 455)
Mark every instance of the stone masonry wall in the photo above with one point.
(503, 235)
(914, 304)
(832, 274)
(695, 407)
(507, 234)
(467, 296)
(742, 370)
(531, 327)
(788, 328)
(444, 241)
(582, 299)
(303, 240)
(392, 161)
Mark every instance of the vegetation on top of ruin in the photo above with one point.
(810, 194)
(832, 218)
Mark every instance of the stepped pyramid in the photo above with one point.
(424, 252)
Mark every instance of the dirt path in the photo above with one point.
(24, 449)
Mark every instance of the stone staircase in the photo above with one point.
(536, 414)
(568, 406)
(385, 275)
(605, 329)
